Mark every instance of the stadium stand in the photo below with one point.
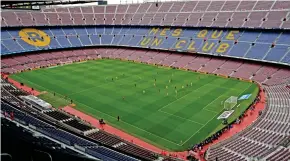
(265, 137)
(270, 46)
(57, 115)
(117, 143)
(59, 134)
(265, 74)
(78, 125)
(18, 143)
(28, 118)
(240, 33)
(198, 13)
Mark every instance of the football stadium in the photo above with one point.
(204, 80)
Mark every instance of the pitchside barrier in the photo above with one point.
(203, 72)
(224, 76)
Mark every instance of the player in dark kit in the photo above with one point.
(118, 118)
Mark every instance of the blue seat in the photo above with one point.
(198, 44)
(134, 30)
(95, 39)
(75, 42)
(85, 40)
(284, 38)
(183, 45)
(216, 34)
(107, 39)
(124, 31)
(286, 59)
(80, 30)
(27, 46)
(268, 37)
(22, 116)
(208, 46)
(142, 31)
(5, 35)
(117, 39)
(63, 41)
(30, 120)
(249, 36)
(239, 49)
(57, 31)
(91, 30)
(235, 34)
(100, 30)
(14, 33)
(276, 53)
(7, 108)
(66, 37)
(113, 154)
(96, 154)
(69, 31)
(125, 40)
(135, 40)
(258, 51)
(4, 50)
(48, 32)
(116, 30)
(166, 43)
(189, 33)
(57, 133)
(144, 43)
(54, 44)
(108, 30)
(223, 50)
(12, 45)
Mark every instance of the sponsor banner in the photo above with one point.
(245, 97)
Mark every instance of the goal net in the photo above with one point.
(230, 103)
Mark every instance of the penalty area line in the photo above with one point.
(181, 117)
(212, 118)
(184, 96)
(132, 126)
(205, 123)
(114, 117)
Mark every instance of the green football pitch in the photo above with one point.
(169, 108)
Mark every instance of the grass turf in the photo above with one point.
(155, 113)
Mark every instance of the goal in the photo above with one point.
(230, 103)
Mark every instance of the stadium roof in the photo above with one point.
(37, 4)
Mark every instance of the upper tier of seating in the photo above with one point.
(272, 46)
(263, 14)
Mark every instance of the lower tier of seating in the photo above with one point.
(28, 117)
(262, 73)
(266, 137)
(272, 127)
(118, 143)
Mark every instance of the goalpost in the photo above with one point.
(230, 103)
